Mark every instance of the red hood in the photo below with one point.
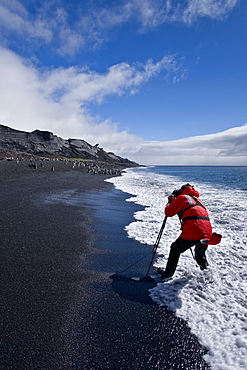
(191, 191)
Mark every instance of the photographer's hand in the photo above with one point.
(171, 198)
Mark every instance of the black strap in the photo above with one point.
(195, 218)
(190, 206)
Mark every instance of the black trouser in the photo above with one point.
(181, 245)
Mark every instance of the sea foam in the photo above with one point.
(213, 301)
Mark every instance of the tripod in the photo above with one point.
(156, 244)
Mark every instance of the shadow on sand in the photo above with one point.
(135, 289)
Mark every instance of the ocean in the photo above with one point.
(212, 302)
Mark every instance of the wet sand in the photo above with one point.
(62, 305)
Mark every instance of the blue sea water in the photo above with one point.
(225, 177)
(213, 301)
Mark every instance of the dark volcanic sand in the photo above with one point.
(60, 309)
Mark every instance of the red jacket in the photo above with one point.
(190, 209)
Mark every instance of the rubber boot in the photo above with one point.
(168, 272)
(202, 262)
(200, 255)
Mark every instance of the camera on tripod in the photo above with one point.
(176, 193)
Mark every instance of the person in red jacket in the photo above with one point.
(195, 226)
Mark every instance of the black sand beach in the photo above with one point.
(62, 304)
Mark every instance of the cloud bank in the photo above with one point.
(57, 100)
(224, 148)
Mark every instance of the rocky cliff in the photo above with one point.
(45, 143)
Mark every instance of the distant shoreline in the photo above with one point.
(16, 168)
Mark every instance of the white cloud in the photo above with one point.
(72, 42)
(81, 85)
(57, 100)
(215, 9)
(15, 18)
(152, 13)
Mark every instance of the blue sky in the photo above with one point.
(157, 81)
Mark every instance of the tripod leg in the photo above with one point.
(156, 245)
